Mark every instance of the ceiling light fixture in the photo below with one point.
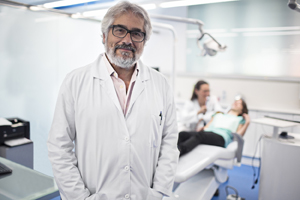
(57, 4)
(150, 6)
(37, 8)
(190, 3)
(95, 13)
(284, 28)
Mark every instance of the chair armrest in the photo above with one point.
(240, 141)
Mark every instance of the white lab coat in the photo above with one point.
(116, 157)
(189, 118)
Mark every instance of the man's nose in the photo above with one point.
(127, 39)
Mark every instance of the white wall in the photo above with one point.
(279, 96)
(159, 50)
(37, 50)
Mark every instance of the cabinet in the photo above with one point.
(255, 131)
(22, 154)
(280, 177)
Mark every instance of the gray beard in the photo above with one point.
(123, 61)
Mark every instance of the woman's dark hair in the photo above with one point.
(197, 87)
(245, 109)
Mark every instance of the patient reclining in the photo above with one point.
(218, 131)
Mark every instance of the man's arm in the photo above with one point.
(60, 148)
(169, 154)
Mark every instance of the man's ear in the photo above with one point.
(103, 38)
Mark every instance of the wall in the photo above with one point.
(262, 39)
(161, 44)
(37, 50)
(267, 95)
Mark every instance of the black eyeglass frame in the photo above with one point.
(128, 31)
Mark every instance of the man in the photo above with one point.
(119, 116)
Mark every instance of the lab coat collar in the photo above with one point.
(99, 69)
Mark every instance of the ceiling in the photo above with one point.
(81, 7)
(78, 6)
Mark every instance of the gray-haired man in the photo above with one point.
(119, 115)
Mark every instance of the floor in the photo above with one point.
(241, 178)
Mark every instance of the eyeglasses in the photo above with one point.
(121, 32)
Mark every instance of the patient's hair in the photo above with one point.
(198, 87)
(245, 109)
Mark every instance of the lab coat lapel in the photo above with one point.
(139, 85)
(110, 89)
(100, 71)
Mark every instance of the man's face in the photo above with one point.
(124, 52)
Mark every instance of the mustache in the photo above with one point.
(127, 47)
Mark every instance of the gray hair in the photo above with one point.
(125, 7)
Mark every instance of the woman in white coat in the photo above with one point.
(199, 110)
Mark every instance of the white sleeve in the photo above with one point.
(189, 114)
(169, 154)
(60, 148)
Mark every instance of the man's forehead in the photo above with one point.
(130, 21)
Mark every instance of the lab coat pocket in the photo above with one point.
(154, 195)
(155, 131)
(97, 196)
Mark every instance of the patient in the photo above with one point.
(198, 111)
(218, 131)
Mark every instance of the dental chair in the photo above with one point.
(201, 171)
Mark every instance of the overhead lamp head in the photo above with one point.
(239, 97)
(294, 5)
(211, 47)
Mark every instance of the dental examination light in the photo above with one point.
(209, 47)
(294, 5)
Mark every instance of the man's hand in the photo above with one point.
(202, 110)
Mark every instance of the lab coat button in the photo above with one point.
(126, 196)
(126, 139)
(126, 168)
